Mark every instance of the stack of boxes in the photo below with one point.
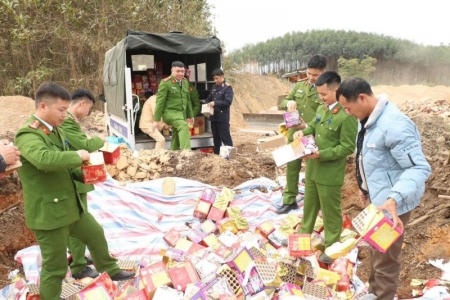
(149, 82)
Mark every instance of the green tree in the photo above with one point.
(355, 67)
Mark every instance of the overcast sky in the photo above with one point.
(240, 22)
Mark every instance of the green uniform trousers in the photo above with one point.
(290, 192)
(78, 249)
(328, 199)
(180, 135)
(53, 244)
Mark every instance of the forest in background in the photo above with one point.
(397, 61)
(65, 40)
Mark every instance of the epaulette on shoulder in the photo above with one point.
(34, 125)
(167, 78)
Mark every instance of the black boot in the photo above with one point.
(122, 275)
(285, 208)
(86, 272)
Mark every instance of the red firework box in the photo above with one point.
(139, 295)
(154, 276)
(199, 123)
(95, 170)
(97, 292)
(111, 153)
(265, 229)
(172, 237)
(204, 204)
(299, 245)
(220, 204)
(376, 228)
(211, 241)
(104, 281)
(137, 79)
(183, 274)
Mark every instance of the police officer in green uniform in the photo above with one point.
(195, 98)
(173, 106)
(335, 134)
(304, 98)
(52, 182)
(80, 105)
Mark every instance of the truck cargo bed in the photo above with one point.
(203, 140)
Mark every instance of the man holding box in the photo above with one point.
(146, 123)
(303, 98)
(173, 107)
(9, 155)
(51, 179)
(79, 107)
(391, 171)
(335, 135)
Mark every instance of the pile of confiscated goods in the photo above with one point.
(223, 257)
(145, 164)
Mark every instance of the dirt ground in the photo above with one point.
(427, 239)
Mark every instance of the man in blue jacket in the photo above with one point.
(391, 171)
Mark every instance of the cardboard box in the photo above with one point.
(195, 235)
(111, 153)
(299, 245)
(10, 169)
(199, 122)
(289, 289)
(211, 241)
(295, 150)
(207, 110)
(271, 142)
(183, 274)
(208, 195)
(95, 172)
(216, 214)
(227, 224)
(184, 245)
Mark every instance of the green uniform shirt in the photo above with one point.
(307, 99)
(173, 101)
(51, 177)
(335, 134)
(195, 100)
(77, 138)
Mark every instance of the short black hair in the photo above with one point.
(148, 94)
(328, 78)
(217, 72)
(352, 87)
(178, 64)
(317, 61)
(79, 94)
(49, 92)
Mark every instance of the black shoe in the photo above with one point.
(86, 272)
(285, 208)
(326, 259)
(123, 275)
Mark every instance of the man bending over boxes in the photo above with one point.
(335, 134)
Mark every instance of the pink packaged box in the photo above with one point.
(376, 228)
(292, 118)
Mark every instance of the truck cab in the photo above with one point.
(137, 64)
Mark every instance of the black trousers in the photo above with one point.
(221, 135)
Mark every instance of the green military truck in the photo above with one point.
(138, 54)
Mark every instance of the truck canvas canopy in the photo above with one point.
(171, 46)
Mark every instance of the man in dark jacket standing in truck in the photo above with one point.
(220, 99)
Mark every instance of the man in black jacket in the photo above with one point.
(220, 99)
